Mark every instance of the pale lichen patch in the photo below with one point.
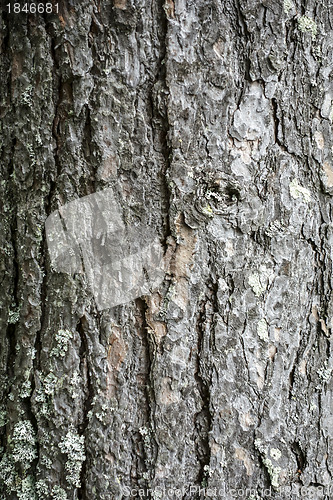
(275, 453)
(62, 338)
(42, 489)
(24, 441)
(259, 281)
(287, 6)
(207, 210)
(262, 329)
(25, 389)
(273, 471)
(73, 446)
(307, 25)
(13, 316)
(26, 489)
(256, 285)
(58, 493)
(298, 191)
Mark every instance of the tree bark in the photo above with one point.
(212, 122)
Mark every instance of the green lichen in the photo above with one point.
(273, 471)
(50, 383)
(42, 489)
(8, 474)
(25, 389)
(207, 210)
(41, 399)
(100, 409)
(26, 490)
(307, 25)
(287, 6)
(275, 453)
(62, 338)
(147, 442)
(31, 352)
(44, 393)
(32, 156)
(74, 385)
(22, 451)
(46, 461)
(298, 191)
(102, 415)
(256, 285)
(73, 446)
(262, 329)
(58, 493)
(13, 315)
(24, 443)
(26, 97)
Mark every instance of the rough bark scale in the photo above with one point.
(213, 121)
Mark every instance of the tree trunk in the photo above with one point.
(211, 121)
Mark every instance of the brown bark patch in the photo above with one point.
(17, 65)
(182, 261)
(169, 9)
(62, 21)
(167, 396)
(243, 455)
(108, 168)
(120, 4)
(117, 351)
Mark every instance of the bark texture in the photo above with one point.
(212, 120)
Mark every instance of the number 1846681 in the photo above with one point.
(33, 8)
